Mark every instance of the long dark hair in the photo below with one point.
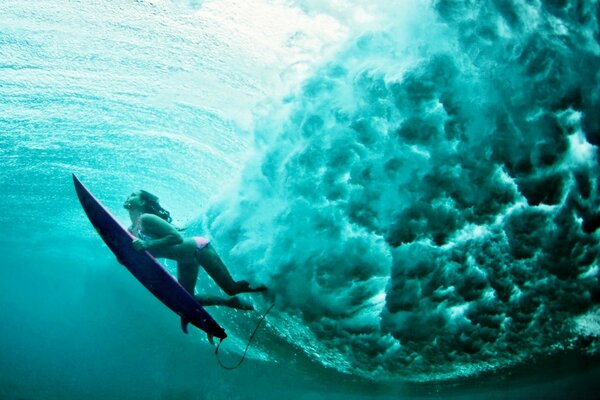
(152, 206)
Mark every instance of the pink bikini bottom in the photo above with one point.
(201, 242)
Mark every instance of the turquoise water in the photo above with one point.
(416, 182)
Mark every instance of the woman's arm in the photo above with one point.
(166, 235)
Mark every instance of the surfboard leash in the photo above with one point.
(247, 345)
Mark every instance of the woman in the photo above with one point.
(150, 223)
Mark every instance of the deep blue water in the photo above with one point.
(415, 181)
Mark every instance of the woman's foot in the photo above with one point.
(244, 287)
(232, 302)
(238, 304)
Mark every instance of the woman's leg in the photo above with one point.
(214, 266)
(187, 275)
(232, 302)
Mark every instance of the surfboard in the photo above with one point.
(144, 267)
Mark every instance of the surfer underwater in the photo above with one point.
(151, 224)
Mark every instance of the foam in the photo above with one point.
(417, 205)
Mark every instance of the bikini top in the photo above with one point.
(142, 236)
(137, 232)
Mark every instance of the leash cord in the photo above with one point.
(229, 368)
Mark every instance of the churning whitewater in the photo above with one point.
(425, 205)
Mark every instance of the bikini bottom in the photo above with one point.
(201, 242)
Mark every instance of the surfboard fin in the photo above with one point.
(184, 324)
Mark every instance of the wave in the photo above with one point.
(423, 207)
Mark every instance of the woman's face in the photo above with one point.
(134, 201)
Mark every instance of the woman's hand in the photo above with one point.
(139, 244)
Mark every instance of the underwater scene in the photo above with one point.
(416, 182)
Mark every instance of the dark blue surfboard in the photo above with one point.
(145, 267)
